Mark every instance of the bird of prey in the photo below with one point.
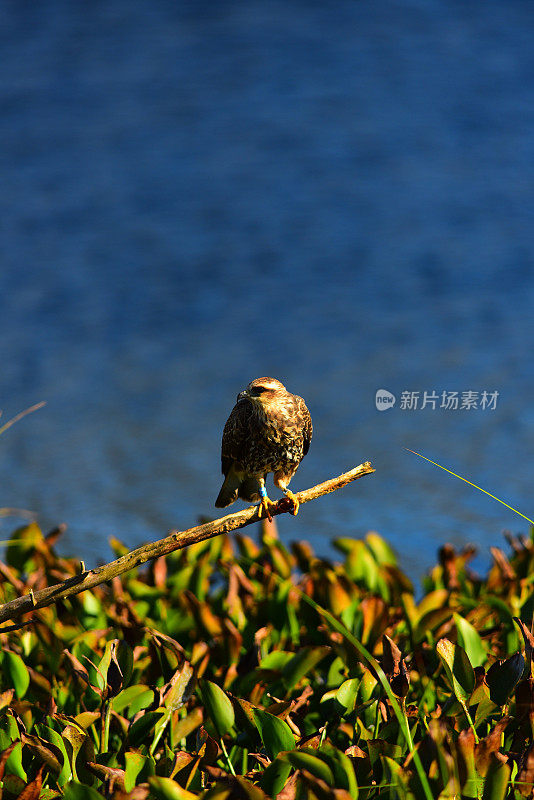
(269, 430)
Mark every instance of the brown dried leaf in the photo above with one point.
(466, 752)
(356, 752)
(525, 776)
(183, 727)
(7, 573)
(141, 792)
(182, 759)
(33, 789)
(159, 572)
(207, 747)
(39, 679)
(243, 707)
(112, 774)
(53, 535)
(529, 642)
(448, 560)
(233, 640)
(162, 640)
(303, 698)
(114, 677)
(216, 773)
(338, 597)
(490, 744)
(233, 601)
(395, 667)
(80, 671)
(263, 760)
(502, 563)
(280, 709)
(320, 788)
(289, 792)
(374, 612)
(47, 752)
(6, 698)
(203, 615)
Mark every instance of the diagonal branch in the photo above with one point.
(174, 541)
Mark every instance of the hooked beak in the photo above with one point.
(244, 395)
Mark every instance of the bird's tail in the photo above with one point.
(229, 489)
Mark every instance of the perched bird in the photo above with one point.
(269, 430)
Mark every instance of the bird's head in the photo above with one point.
(261, 391)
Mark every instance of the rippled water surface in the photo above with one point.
(337, 194)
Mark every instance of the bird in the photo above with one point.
(268, 430)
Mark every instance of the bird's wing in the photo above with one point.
(306, 422)
(235, 435)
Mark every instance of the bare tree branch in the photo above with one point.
(174, 541)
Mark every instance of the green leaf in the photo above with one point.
(496, 783)
(134, 764)
(124, 656)
(342, 768)
(301, 759)
(360, 564)
(74, 737)
(22, 545)
(393, 774)
(167, 789)
(275, 733)
(78, 791)
(52, 736)
(345, 697)
(103, 666)
(181, 683)
(381, 550)
(469, 639)
(10, 733)
(218, 706)
(138, 732)
(301, 663)
(276, 660)
(274, 778)
(457, 668)
(16, 673)
(14, 762)
(138, 697)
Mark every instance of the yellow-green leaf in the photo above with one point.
(16, 672)
(457, 668)
(275, 733)
(218, 706)
(167, 789)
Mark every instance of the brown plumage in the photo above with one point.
(269, 430)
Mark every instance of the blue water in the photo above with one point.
(340, 195)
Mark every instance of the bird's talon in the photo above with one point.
(266, 506)
(294, 500)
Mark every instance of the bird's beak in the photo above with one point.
(244, 395)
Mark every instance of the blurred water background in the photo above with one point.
(336, 194)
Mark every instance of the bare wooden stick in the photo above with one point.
(174, 541)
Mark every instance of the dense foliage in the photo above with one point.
(237, 670)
